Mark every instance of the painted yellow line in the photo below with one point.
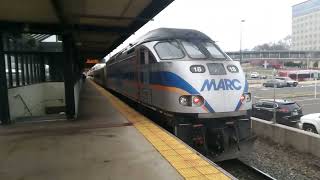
(186, 162)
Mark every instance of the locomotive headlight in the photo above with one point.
(242, 97)
(184, 100)
(197, 100)
(246, 97)
(189, 100)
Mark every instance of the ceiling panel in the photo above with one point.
(107, 8)
(135, 8)
(105, 22)
(97, 25)
(28, 11)
(93, 36)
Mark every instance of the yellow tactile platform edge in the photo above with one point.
(186, 162)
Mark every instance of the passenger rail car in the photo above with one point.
(184, 75)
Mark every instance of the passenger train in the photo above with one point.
(183, 75)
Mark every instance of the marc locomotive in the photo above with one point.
(182, 74)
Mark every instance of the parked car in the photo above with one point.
(287, 112)
(263, 76)
(310, 122)
(275, 83)
(289, 81)
(254, 75)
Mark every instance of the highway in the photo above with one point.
(302, 94)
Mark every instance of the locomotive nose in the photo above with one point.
(224, 86)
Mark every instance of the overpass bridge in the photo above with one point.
(306, 58)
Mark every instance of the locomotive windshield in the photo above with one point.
(169, 50)
(214, 51)
(193, 50)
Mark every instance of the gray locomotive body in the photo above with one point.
(185, 76)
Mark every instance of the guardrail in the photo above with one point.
(302, 141)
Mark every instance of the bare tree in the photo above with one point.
(283, 44)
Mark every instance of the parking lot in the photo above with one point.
(302, 94)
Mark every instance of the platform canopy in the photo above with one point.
(97, 26)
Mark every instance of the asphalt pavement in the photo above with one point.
(309, 105)
(302, 94)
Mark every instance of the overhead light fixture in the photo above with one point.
(78, 44)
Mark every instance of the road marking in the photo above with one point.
(310, 104)
(312, 85)
(258, 97)
(312, 99)
(270, 88)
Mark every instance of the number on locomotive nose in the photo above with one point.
(197, 69)
(232, 69)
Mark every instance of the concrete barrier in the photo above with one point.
(300, 140)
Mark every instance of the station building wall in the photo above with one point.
(36, 98)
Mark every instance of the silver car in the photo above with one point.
(275, 83)
(289, 81)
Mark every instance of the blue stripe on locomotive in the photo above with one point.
(245, 90)
(173, 80)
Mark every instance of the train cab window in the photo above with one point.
(193, 50)
(152, 59)
(142, 57)
(146, 57)
(130, 51)
(169, 50)
(213, 50)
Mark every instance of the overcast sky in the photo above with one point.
(265, 21)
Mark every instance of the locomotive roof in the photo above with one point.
(164, 34)
(170, 33)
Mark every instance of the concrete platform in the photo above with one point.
(102, 144)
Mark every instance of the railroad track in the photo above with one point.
(243, 171)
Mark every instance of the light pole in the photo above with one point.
(315, 84)
(241, 22)
(274, 119)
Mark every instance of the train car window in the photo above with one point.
(169, 50)
(142, 57)
(130, 51)
(146, 57)
(193, 50)
(214, 51)
(141, 77)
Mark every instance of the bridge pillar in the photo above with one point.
(265, 64)
(4, 102)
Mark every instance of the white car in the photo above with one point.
(310, 122)
(254, 75)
